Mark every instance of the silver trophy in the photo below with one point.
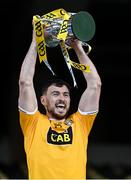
(80, 26)
(60, 28)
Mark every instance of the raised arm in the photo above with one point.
(27, 97)
(89, 101)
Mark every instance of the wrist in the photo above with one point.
(79, 49)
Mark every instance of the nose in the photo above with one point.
(61, 96)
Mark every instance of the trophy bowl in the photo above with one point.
(80, 26)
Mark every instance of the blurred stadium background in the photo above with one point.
(109, 150)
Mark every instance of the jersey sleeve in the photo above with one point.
(85, 120)
(28, 122)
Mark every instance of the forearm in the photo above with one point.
(27, 97)
(28, 66)
(89, 101)
(84, 59)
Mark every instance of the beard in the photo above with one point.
(57, 116)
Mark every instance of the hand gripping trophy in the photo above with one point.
(61, 27)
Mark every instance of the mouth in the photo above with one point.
(60, 106)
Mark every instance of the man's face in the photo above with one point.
(56, 101)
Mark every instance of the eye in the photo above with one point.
(66, 94)
(55, 93)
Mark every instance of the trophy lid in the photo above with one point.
(83, 26)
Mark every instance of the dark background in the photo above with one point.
(110, 53)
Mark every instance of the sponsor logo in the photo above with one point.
(63, 138)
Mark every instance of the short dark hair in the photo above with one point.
(56, 82)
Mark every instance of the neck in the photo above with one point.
(54, 118)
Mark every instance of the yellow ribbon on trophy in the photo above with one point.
(39, 27)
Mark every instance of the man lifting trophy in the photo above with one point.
(56, 141)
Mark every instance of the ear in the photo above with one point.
(43, 100)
